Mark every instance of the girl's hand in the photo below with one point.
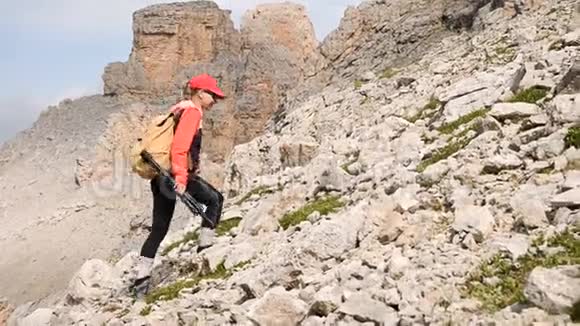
(180, 188)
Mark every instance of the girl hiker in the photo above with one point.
(200, 94)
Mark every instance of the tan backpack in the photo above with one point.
(156, 140)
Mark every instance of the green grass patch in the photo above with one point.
(324, 206)
(426, 111)
(242, 264)
(512, 277)
(530, 95)
(190, 236)
(388, 73)
(225, 226)
(260, 191)
(547, 170)
(358, 84)
(172, 291)
(443, 153)
(450, 127)
(507, 53)
(145, 311)
(572, 138)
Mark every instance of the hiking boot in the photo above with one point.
(206, 238)
(140, 287)
(143, 267)
(142, 270)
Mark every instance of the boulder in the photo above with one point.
(503, 111)
(565, 108)
(556, 290)
(476, 220)
(365, 309)
(96, 281)
(278, 307)
(570, 198)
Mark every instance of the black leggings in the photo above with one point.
(164, 206)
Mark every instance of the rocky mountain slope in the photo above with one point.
(442, 190)
(66, 191)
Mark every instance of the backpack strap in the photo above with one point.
(176, 118)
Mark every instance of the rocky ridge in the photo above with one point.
(444, 192)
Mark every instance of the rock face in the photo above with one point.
(167, 39)
(277, 40)
(255, 66)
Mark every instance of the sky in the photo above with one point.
(57, 49)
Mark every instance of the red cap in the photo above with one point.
(206, 83)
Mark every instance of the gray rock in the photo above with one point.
(239, 253)
(398, 264)
(40, 317)
(483, 89)
(278, 307)
(535, 121)
(530, 204)
(551, 146)
(469, 242)
(322, 308)
(313, 321)
(476, 220)
(531, 214)
(368, 76)
(570, 198)
(94, 282)
(433, 173)
(333, 237)
(461, 196)
(364, 309)
(298, 152)
(534, 134)
(516, 244)
(392, 228)
(404, 81)
(406, 198)
(572, 155)
(572, 180)
(556, 290)
(314, 217)
(570, 82)
(330, 294)
(572, 38)
(565, 108)
(562, 216)
(503, 111)
(500, 162)
(259, 219)
(560, 163)
(538, 166)
(574, 219)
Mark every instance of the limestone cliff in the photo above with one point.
(255, 66)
